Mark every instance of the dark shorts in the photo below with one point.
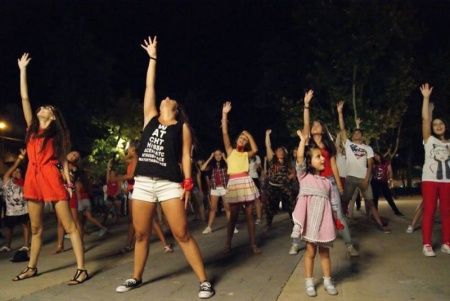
(11, 221)
(111, 198)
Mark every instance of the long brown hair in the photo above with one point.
(57, 130)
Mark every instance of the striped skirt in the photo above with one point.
(241, 188)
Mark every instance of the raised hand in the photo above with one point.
(23, 61)
(23, 151)
(340, 106)
(268, 132)
(150, 46)
(426, 90)
(358, 122)
(302, 136)
(226, 107)
(308, 97)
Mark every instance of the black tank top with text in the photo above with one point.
(160, 151)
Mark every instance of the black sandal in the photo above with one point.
(34, 270)
(75, 281)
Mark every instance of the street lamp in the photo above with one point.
(2, 128)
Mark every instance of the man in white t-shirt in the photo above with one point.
(359, 168)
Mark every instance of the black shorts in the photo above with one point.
(111, 198)
(11, 221)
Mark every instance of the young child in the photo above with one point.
(16, 205)
(241, 190)
(315, 213)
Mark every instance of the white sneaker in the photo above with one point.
(206, 290)
(102, 232)
(5, 249)
(258, 221)
(352, 252)
(294, 249)
(207, 230)
(410, 229)
(331, 289)
(167, 249)
(67, 236)
(428, 251)
(310, 290)
(236, 230)
(445, 248)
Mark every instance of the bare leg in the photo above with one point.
(65, 215)
(36, 212)
(325, 261)
(176, 216)
(251, 227)
(26, 234)
(142, 222)
(234, 214)
(417, 214)
(213, 209)
(309, 259)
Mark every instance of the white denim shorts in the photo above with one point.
(219, 191)
(151, 189)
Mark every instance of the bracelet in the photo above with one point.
(187, 184)
(153, 58)
(306, 107)
(21, 157)
(69, 185)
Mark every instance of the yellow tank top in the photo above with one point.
(237, 162)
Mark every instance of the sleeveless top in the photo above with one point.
(327, 172)
(159, 153)
(237, 162)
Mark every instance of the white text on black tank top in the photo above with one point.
(154, 152)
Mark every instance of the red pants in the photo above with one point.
(431, 192)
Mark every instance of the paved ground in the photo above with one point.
(391, 266)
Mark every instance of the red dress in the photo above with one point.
(43, 180)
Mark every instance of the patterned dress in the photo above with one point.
(313, 213)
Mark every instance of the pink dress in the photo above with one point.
(313, 214)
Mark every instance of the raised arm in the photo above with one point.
(108, 169)
(253, 146)
(343, 132)
(23, 63)
(306, 121)
(19, 159)
(150, 97)
(426, 121)
(301, 147)
(269, 151)
(205, 164)
(226, 137)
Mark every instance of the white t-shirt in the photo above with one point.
(437, 166)
(252, 167)
(357, 156)
(341, 162)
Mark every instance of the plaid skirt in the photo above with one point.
(241, 188)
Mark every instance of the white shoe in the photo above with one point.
(102, 232)
(5, 249)
(352, 252)
(67, 236)
(258, 221)
(428, 251)
(168, 249)
(294, 249)
(236, 230)
(207, 230)
(445, 248)
(331, 289)
(206, 290)
(410, 229)
(310, 290)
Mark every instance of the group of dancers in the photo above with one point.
(161, 170)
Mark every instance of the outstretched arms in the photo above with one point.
(426, 120)
(19, 159)
(306, 121)
(301, 147)
(226, 137)
(340, 106)
(269, 151)
(23, 63)
(150, 97)
(251, 141)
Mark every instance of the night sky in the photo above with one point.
(210, 47)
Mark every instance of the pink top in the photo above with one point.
(313, 214)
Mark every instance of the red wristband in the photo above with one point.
(339, 225)
(187, 184)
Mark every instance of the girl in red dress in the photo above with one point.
(48, 143)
